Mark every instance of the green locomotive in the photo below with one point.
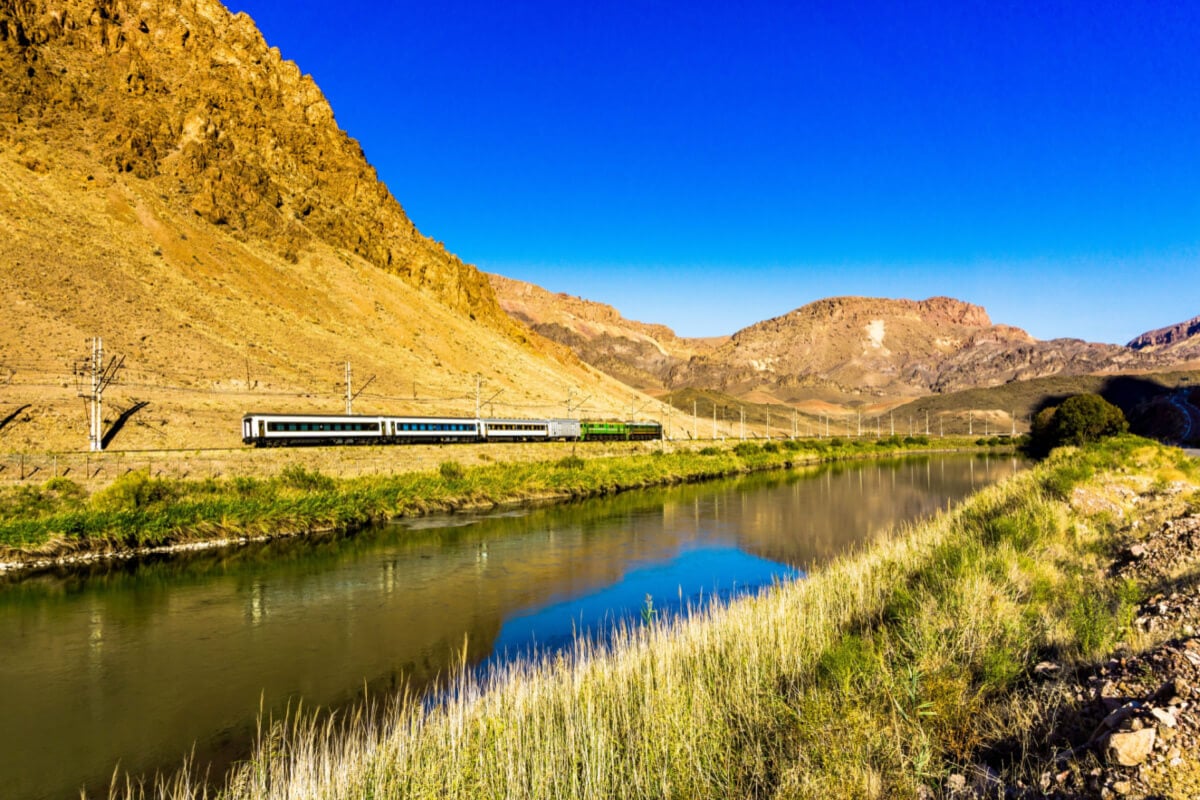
(594, 431)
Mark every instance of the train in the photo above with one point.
(290, 430)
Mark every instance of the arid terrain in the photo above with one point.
(169, 183)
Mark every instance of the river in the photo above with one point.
(142, 662)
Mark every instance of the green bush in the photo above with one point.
(132, 491)
(1080, 419)
(452, 470)
(711, 451)
(746, 449)
(770, 447)
(566, 462)
(296, 476)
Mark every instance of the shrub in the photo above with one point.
(566, 462)
(746, 449)
(64, 486)
(711, 451)
(793, 444)
(770, 447)
(1080, 419)
(132, 491)
(297, 476)
(452, 470)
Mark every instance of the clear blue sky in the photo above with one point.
(708, 165)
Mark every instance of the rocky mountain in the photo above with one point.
(871, 347)
(824, 354)
(189, 97)
(1181, 340)
(170, 183)
(639, 354)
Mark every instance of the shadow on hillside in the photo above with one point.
(1134, 396)
(4, 423)
(121, 420)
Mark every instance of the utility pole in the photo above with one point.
(971, 422)
(892, 420)
(96, 376)
(860, 423)
(350, 396)
(1014, 422)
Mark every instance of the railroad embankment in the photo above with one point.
(140, 509)
(1006, 648)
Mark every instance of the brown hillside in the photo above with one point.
(168, 182)
(852, 347)
(1181, 340)
(639, 354)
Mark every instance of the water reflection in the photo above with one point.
(137, 661)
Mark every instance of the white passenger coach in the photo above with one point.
(262, 430)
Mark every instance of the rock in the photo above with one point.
(193, 99)
(1129, 748)
(1137, 551)
(1163, 716)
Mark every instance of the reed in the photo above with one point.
(874, 677)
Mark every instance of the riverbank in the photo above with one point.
(61, 521)
(944, 661)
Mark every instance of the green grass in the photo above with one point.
(875, 677)
(138, 510)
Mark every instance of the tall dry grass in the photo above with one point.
(874, 677)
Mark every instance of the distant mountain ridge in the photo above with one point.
(1180, 339)
(885, 348)
(840, 349)
(640, 354)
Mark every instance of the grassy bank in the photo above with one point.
(875, 677)
(138, 510)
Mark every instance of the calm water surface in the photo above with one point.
(137, 664)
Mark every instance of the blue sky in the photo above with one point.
(708, 165)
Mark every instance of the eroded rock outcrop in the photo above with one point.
(186, 95)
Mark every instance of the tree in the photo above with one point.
(1078, 420)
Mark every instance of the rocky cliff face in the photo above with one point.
(169, 184)
(183, 95)
(1182, 339)
(640, 354)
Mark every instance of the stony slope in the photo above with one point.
(854, 347)
(1181, 340)
(844, 350)
(169, 182)
(637, 353)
